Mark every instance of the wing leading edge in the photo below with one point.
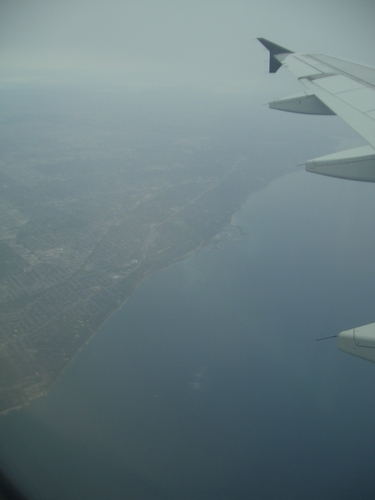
(346, 89)
(334, 87)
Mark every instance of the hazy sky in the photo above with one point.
(201, 43)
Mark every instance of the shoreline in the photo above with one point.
(214, 241)
(102, 291)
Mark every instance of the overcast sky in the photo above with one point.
(200, 43)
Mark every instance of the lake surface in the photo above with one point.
(209, 384)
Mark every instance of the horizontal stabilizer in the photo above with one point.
(356, 164)
(308, 104)
(359, 342)
(274, 51)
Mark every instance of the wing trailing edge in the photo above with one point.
(335, 87)
(347, 89)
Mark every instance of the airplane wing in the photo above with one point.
(334, 87)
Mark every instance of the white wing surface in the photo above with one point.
(346, 89)
(336, 87)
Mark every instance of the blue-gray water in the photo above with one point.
(209, 384)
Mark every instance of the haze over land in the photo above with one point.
(132, 135)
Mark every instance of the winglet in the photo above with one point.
(274, 51)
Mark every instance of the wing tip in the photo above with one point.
(274, 50)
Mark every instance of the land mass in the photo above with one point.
(86, 213)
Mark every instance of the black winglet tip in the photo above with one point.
(274, 49)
